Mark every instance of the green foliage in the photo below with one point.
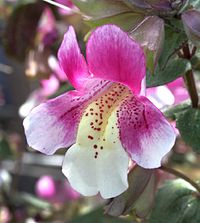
(5, 150)
(175, 67)
(176, 202)
(169, 65)
(127, 21)
(188, 123)
(97, 216)
(28, 199)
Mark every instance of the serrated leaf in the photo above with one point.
(188, 124)
(174, 38)
(97, 216)
(175, 68)
(176, 202)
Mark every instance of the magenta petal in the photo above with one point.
(72, 61)
(113, 56)
(144, 132)
(53, 124)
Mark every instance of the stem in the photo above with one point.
(180, 175)
(189, 77)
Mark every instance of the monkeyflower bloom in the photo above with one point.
(106, 119)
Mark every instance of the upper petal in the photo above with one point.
(53, 124)
(72, 61)
(112, 55)
(144, 132)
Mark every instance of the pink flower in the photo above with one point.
(45, 187)
(169, 94)
(48, 87)
(105, 119)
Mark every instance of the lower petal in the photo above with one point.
(87, 175)
(144, 132)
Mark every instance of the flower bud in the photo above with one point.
(150, 34)
(191, 21)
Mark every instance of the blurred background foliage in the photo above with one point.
(32, 187)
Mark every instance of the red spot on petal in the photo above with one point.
(90, 137)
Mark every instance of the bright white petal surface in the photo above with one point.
(98, 162)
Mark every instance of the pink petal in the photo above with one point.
(53, 124)
(178, 89)
(49, 86)
(72, 61)
(144, 132)
(112, 55)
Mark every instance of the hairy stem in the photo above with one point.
(180, 175)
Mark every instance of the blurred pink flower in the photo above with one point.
(69, 4)
(48, 87)
(170, 94)
(47, 31)
(45, 187)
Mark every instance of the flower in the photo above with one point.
(172, 93)
(105, 118)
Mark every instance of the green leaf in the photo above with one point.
(174, 69)
(5, 150)
(97, 216)
(170, 66)
(101, 9)
(174, 38)
(173, 111)
(188, 124)
(29, 199)
(176, 202)
(127, 21)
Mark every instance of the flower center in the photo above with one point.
(98, 128)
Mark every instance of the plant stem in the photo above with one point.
(189, 77)
(180, 175)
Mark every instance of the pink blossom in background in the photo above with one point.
(179, 90)
(45, 187)
(55, 191)
(48, 87)
(47, 30)
(106, 119)
(69, 4)
(54, 65)
(169, 94)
